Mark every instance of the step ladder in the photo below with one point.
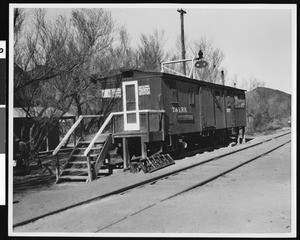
(85, 168)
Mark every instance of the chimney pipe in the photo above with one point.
(222, 76)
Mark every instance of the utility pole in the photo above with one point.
(181, 11)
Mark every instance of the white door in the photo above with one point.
(131, 106)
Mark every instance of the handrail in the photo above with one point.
(107, 120)
(66, 137)
(190, 75)
(151, 111)
(178, 61)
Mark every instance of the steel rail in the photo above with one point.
(194, 186)
(124, 189)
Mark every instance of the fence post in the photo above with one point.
(57, 167)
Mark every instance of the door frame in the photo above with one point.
(131, 126)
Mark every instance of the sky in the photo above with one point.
(257, 40)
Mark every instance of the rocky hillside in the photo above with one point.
(267, 109)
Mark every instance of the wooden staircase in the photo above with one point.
(85, 168)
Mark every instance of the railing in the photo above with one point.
(107, 120)
(72, 129)
(161, 121)
(102, 128)
(192, 71)
(111, 115)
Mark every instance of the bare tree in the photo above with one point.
(44, 52)
(234, 81)
(151, 51)
(214, 57)
(258, 106)
(249, 84)
(120, 55)
(19, 17)
(124, 52)
(255, 83)
(53, 68)
(93, 38)
(176, 54)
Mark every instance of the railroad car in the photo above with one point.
(148, 113)
(157, 111)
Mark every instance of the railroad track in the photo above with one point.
(166, 179)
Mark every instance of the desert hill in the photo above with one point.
(267, 109)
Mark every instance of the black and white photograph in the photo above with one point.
(152, 120)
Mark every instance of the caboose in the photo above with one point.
(161, 109)
(155, 112)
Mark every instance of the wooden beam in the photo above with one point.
(163, 126)
(143, 149)
(126, 156)
(74, 135)
(102, 155)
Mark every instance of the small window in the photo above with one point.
(217, 93)
(191, 98)
(229, 94)
(240, 101)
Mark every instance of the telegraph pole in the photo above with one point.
(181, 11)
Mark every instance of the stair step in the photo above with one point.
(77, 166)
(77, 155)
(78, 162)
(75, 169)
(73, 177)
(88, 142)
(82, 155)
(83, 148)
(101, 137)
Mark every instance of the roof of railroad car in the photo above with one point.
(142, 74)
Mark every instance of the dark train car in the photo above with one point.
(156, 110)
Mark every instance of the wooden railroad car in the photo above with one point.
(148, 113)
(156, 111)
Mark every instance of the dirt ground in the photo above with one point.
(261, 207)
(254, 199)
